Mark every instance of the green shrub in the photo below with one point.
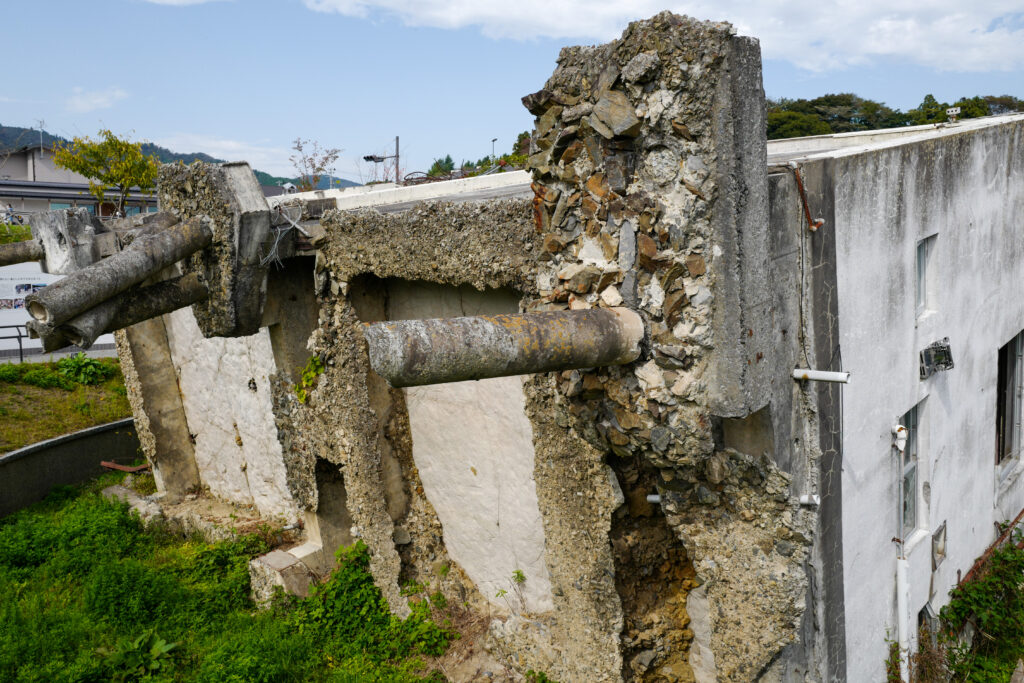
(993, 603)
(81, 369)
(44, 378)
(9, 372)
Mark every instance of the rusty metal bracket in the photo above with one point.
(812, 223)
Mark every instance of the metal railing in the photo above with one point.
(19, 333)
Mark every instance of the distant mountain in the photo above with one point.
(14, 137)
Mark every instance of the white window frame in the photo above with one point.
(909, 498)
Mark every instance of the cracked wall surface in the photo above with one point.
(650, 192)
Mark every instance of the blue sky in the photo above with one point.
(241, 79)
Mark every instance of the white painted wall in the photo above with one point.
(236, 444)
(972, 196)
(473, 447)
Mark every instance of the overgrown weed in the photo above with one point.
(88, 594)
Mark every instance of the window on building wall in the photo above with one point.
(69, 205)
(1008, 399)
(925, 274)
(909, 473)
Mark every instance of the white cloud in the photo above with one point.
(273, 160)
(986, 35)
(83, 101)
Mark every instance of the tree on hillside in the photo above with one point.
(110, 163)
(1003, 104)
(839, 112)
(312, 162)
(793, 124)
(441, 166)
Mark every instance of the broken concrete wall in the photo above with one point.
(651, 188)
(650, 193)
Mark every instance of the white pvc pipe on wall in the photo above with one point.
(902, 627)
(821, 375)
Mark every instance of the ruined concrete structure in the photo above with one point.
(687, 511)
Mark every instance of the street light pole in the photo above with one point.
(493, 140)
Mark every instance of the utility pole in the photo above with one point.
(398, 181)
(34, 172)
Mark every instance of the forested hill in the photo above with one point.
(13, 137)
(846, 112)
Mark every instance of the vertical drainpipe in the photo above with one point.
(902, 584)
(902, 627)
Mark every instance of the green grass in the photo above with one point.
(14, 233)
(43, 400)
(88, 594)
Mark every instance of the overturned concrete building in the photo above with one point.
(602, 406)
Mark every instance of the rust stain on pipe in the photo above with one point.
(416, 352)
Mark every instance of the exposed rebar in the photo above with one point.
(100, 281)
(415, 352)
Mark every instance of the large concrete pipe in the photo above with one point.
(21, 252)
(415, 352)
(86, 288)
(132, 307)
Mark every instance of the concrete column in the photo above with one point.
(156, 403)
(91, 286)
(134, 306)
(21, 252)
(416, 352)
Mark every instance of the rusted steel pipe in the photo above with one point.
(86, 288)
(132, 307)
(21, 252)
(414, 352)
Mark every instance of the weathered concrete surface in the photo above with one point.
(21, 252)
(965, 186)
(94, 284)
(67, 239)
(228, 196)
(225, 389)
(278, 568)
(134, 306)
(433, 351)
(651, 188)
(473, 447)
(155, 397)
(28, 474)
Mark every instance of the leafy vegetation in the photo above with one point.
(982, 627)
(992, 603)
(43, 400)
(847, 112)
(310, 375)
(88, 594)
(110, 163)
(81, 369)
